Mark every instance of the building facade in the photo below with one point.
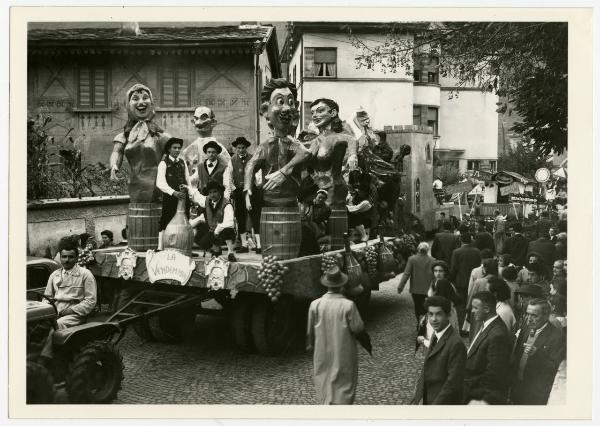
(79, 77)
(321, 61)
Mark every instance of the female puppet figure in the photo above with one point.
(142, 141)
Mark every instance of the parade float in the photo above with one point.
(161, 291)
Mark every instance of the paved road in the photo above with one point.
(209, 369)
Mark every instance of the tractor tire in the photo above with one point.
(40, 385)
(241, 323)
(172, 327)
(95, 374)
(142, 328)
(273, 325)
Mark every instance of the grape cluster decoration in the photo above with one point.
(371, 258)
(271, 277)
(86, 257)
(328, 261)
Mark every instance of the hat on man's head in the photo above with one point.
(530, 290)
(334, 278)
(324, 192)
(240, 140)
(212, 144)
(171, 142)
(213, 184)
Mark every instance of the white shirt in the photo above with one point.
(161, 180)
(485, 324)
(437, 184)
(228, 215)
(439, 334)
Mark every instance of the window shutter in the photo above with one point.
(309, 62)
(168, 87)
(100, 88)
(183, 87)
(85, 91)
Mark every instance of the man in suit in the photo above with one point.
(538, 351)
(483, 239)
(418, 269)
(444, 244)
(517, 246)
(213, 169)
(442, 378)
(462, 262)
(486, 373)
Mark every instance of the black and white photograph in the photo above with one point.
(297, 212)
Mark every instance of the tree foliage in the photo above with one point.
(525, 63)
(523, 159)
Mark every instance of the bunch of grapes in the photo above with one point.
(328, 261)
(271, 276)
(86, 257)
(371, 257)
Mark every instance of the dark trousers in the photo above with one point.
(208, 239)
(169, 208)
(418, 301)
(461, 308)
(247, 220)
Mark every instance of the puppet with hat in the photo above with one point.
(194, 155)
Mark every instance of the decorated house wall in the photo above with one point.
(224, 83)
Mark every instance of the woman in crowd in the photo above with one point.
(501, 292)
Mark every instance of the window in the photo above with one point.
(417, 75)
(294, 76)
(432, 119)
(432, 77)
(320, 62)
(417, 115)
(428, 153)
(417, 196)
(175, 86)
(93, 87)
(473, 165)
(493, 166)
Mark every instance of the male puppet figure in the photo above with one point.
(195, 155)
(278, 156)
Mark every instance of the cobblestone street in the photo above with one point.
(209, 369)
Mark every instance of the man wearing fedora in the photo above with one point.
(234, 179)
(220, 221)
(172, 173)
(212, 169)
(333, 324)
(194, 155)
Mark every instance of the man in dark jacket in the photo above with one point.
(538, 351)
(517, 246)
(486, 375)
(442, 378)
(462, 262)
(444, 244)
(546, 249)
(484, 239)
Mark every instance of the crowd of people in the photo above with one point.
(503, 297)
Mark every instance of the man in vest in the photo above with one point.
(171, 175)
(213, 169)
(219, 220)
(194, 155)
(234, 179)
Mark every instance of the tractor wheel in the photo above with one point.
(40, 385)
(172, 327)
(95, 374)
(141, 327)
(273, 325)
(241, 323)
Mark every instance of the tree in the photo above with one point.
(522, 159)
(525, 63)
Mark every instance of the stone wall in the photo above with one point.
(417, 176)
(49, 220)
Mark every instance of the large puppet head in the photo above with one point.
(140, 104)
(279, 106)
(325, 113)
(204, 120)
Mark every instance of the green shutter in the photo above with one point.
(99, 88)
(183, 87)
(167, 87)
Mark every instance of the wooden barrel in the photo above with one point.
(280, 232)
(142, 226)
(338, 226)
